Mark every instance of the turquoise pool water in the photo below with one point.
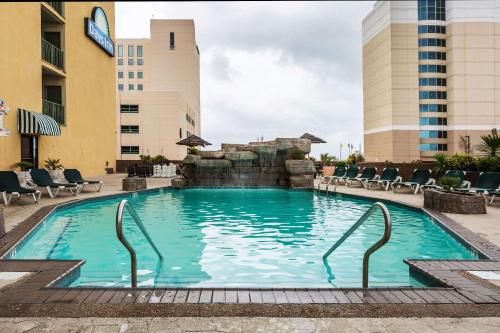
(264, 238)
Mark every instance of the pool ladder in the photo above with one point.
(385, 238)
(124, 204)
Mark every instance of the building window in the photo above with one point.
(433, 134)
(130, 75)
(433, 108)
(131, 61)
(139, 75)
(180, 133)
(432, 68)
(130, 87)
(431, 10)
(139, 87)
(433, 147)
(432, 94)
(120, 50)
(133, 129)
(139, 62)
(139, 51)
(432, 29)
(131, 51)
(120, 61)
(433, 121)
(129, 108)
(120, 87)
(431, 55)
(130, 149)
(172, 40)
(432, 42)
(120, 75)
(432, 81)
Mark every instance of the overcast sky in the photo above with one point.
(271, 69)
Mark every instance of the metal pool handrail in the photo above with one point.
(119, 232)
(385, 238)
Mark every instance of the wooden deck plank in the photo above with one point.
(255, 296)
(219, 296)
(131, 296)
(94, 295)
(390, 297)
(280, 297)
(413, 296)
(340, 296)
(292, 296)
(243, 297)
(304, 296)
(316, 296)
(353, 297)
(106, 296)
(156, 296)
(328, 296)
(206, 296)
(56, 296)
(231, 296)
(118, 297)
(144, 296)
(168, 296)
(181, 296)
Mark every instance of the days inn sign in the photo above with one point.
(97, 29)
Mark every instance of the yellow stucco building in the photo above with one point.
(58, 62)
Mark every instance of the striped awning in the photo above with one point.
(36, 123)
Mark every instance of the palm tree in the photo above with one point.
(490, 144)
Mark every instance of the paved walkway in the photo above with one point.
(244, 324)
(20, 209)
(486, 225)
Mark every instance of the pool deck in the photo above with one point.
(463, 294)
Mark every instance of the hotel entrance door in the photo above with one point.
(29, 149)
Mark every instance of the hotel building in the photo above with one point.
(57, 84)
(430, 75)
(158, 91)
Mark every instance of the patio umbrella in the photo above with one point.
(314, 139)
(193, 141)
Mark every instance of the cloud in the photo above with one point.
(271, 69)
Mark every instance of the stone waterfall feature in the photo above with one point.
(257, 164)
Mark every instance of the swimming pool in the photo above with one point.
(252, 238)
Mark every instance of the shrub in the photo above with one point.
(192, 151)
(491, 164)
(449, 183)
(490, 144)
(463, 162)
(145, 158)
(340, 164)
(297, 154)
(24, 166)
(159, 159)
(354, 158)
(53, 164)
(440, 162)
(327, 159)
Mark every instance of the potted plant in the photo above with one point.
(54, 167)
(23, 175)
(192, 151)
(450, 183)
(328, 167)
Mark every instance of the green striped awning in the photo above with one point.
(36, 123)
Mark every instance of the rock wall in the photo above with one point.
(257, 164)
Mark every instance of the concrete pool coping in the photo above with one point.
(461, 296)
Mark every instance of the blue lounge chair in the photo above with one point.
(41, 178)
(352, 172)
(419, 178)
(488, 184)
(9, 186)
(389, 175)
(74, 176)
(368, 173)
(451, 173)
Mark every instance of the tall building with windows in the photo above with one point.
(430, 76)
(57, 84)
(158, 91)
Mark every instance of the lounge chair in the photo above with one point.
(352, 172)
(74, 176)
(420, 177)
(9, 186)
(493, 195)
(41, 178)
(487, 182)
(389, 175)
(368, 173)
(450, 173)
(338, 173)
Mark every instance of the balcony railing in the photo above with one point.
(54, 110)
(58, 7)
(52, 54)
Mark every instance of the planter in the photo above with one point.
(134, 184)
(56, 175)
(328, 170)
(453, 202)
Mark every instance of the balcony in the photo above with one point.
(54, 110)
(57, 6)
(52, 54)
